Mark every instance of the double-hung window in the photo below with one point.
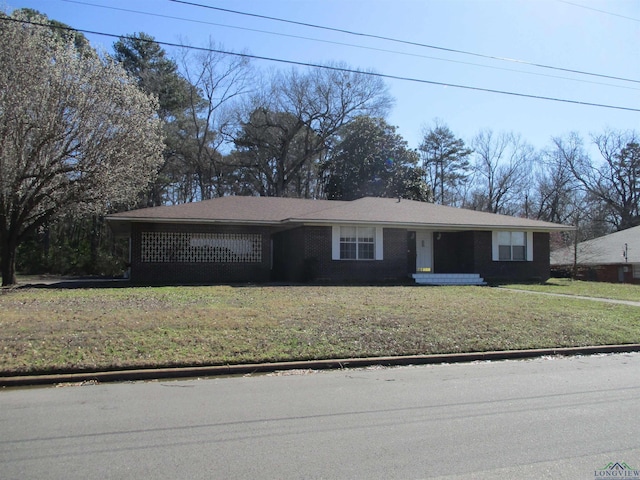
(351, 242)
(357, 243)
(512, 246)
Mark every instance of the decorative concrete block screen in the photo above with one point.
(162, 247)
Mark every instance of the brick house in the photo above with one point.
(371, 240)
(611, 258)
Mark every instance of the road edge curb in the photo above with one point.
(245, 369)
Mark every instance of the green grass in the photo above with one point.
(86, 329)
(617, 291)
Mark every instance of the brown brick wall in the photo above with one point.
(602, 273)
(289, 255)
(316, 263)
(304, 254)
(470, 252)
(453, 252)
(536, 270)
(190, 273)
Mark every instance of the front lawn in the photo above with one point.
(70, 329)
(617, 291)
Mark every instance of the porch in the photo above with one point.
(447, 253)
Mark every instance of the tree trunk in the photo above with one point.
(8, 249)
(94, 243)
(574, 273)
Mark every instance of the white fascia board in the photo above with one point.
(413, 225)
(438, 226)
(197, 221)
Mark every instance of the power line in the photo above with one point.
(415, 55)
(405, 42)
(329, 67)
(600, 11)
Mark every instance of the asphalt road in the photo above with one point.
(555, 418)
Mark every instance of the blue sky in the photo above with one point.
(601, 37)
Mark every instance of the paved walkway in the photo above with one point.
(595, 299)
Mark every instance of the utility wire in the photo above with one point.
(405, 42)
(329, 67)
(600, 11)
(415, 55)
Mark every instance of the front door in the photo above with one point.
(424, 251)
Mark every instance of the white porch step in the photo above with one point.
(448, 279)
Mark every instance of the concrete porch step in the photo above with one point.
(448, 279)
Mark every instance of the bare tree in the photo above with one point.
(563, 197)
(500, 172)
(557, 193)
(76, 134)
(219, 80)
(288, 125)
(613, 182)
(616, 179)
(557, 196)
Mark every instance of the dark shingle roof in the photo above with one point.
(230, 209)
(409, 212)
(278, 211)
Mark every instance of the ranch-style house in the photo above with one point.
(370, 240)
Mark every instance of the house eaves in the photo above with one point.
(436, 226)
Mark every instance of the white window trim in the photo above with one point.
(495, 251)
(335, 244)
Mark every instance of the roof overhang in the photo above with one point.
(440, 227)
(121, 225)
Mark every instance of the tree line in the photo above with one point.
(220, 126)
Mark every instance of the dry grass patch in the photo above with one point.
(47, 329)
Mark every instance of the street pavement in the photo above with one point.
(548, 418)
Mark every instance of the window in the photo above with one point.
(357, 243)
(636, 270)
(512, 246)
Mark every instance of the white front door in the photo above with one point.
(424, 251)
